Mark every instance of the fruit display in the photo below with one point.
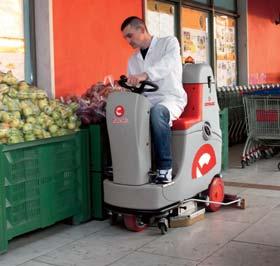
(92, 104)
(26, 112)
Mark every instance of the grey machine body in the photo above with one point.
(130, 144)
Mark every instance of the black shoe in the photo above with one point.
(163, 180)
(163, 176)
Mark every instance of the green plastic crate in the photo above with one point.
(97, 199)
(42, 182)
(100, 156)
(99, 159)
(224, 128)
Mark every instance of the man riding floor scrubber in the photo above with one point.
(196, 149)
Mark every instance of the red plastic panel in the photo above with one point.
(267, 115)
(193, 111)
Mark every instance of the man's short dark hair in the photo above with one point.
(133, 21)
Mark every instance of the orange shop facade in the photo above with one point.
(74, 44)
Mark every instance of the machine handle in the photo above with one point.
(141, 89)
(209, 81)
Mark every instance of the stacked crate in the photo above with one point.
(42, 182)
(100, 163)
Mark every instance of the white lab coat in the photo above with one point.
(163, 66)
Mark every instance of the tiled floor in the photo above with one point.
(229, 237)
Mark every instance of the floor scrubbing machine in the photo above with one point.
(196, 152)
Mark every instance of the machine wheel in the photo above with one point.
(113, 218)
(215, 193)
(279, 166)
(132, 223)
(163, 225)
(163, 229)
(251, 159)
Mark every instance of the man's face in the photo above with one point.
(134, 36)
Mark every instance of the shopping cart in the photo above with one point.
(262, 113)
(230, 97)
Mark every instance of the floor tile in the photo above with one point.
(243, 254)
(254, 175)
(276, 208)
(34, 263)
(145, 259)
(257, 206)
(266, 231)
(102, 247)
(34, 244)
(260, 200)
(195, 242)
(262, 192)
(83, 230)
(119, 235)
(263, 171)
(86, 252)
(234, 190)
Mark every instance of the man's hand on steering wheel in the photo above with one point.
(136, 79)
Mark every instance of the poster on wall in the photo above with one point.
(225, 51)
(160, 19)
(194, 44)
(226, 70)
(194, 35)
(167, 26)
(12, 37)
(152, 21)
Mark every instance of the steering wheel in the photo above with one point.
(141, 89)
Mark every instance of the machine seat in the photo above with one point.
(192, 113)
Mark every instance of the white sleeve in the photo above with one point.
(167, 63)
(132, 66)
(129, 70)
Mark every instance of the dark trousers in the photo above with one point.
(161, 136)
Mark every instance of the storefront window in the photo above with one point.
(12, 37)
(194, 35)
(226, 4)
(160, 18)
(207, 32)
(202, 1)
(225, 50)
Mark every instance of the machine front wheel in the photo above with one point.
(215, 193)
(113, 218)
(163, 229)
(163, 225)
(132, 223)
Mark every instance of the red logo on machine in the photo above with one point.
(209, 102)
(204, 161)
(119, 111)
